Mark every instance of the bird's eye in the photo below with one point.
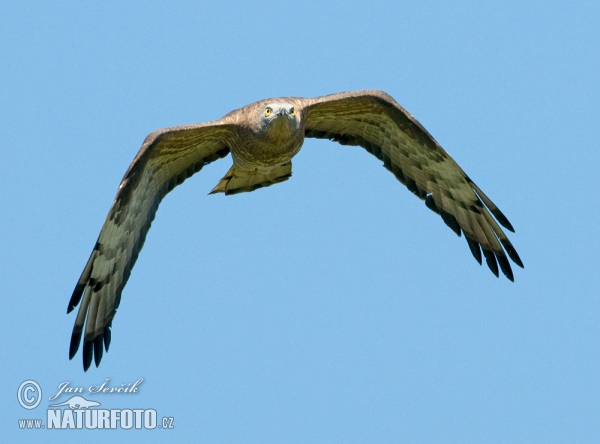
(267, 111)
(293, 112)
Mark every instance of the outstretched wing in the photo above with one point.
(166, 158)
(375, 121)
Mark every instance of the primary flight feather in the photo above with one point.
(262, 138)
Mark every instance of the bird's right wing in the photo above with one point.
(166, 158)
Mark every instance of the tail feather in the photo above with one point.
(238, 180)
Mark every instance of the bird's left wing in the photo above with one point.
(375, 121)
(166, 158)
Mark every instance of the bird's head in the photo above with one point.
(279, 119)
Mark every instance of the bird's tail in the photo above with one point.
(238, 180)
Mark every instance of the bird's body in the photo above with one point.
(263, 137)
(262, 148)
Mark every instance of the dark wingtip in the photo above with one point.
(505, 267)
(430, 203)
(475, 250)
(502, 219)
(107, 337)
(88, 352)
(490, 259)
(98, 344)
(75, 341)
(451, 221)
(512, 253)
(75, 297)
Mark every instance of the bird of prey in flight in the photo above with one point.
(262, 138)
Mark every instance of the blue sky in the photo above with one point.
(333, 307)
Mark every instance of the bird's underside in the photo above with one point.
(263, 137)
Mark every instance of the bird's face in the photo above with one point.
(279, 118)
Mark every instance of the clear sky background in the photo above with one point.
(334, 307)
